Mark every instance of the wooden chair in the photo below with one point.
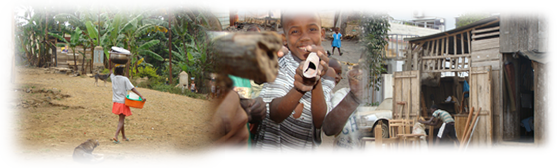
(392, 146)
(402, 126)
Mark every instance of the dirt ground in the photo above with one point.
(55, 113)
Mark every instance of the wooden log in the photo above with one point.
(249, 55)
(467, 123)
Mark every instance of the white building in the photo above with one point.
(442, 16)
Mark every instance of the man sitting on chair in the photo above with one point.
(447, 129)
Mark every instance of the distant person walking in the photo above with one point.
(337, 37)
(120, 87)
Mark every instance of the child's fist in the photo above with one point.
(302, 83)
(355, 80)
(322, 54)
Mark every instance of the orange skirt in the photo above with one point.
(119, 108)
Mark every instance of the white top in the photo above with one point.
(120, 87)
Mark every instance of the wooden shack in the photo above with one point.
(469, 53)
(510, 63)
(528, 42)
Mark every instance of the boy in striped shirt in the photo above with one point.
(447, 129)
(296, 106)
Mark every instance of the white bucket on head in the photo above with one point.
(132, 95)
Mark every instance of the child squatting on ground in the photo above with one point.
(296, 106)
(120, 86)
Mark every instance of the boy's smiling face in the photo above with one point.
(300, 31)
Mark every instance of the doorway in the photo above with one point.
(518, 105)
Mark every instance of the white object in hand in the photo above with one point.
(311, 65)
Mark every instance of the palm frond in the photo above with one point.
(148, 45)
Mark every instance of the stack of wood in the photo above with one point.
(469, 129)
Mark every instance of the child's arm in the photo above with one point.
(136, 92)
(336, 119)
(318, 102)
(318, 105)
(280, 108)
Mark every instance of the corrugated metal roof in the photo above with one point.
(471, 25)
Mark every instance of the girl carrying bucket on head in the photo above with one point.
(120, 86)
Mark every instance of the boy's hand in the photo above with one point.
(354, 80)
(322, 54)
(283, 51)
(255, 109)
(302, 83)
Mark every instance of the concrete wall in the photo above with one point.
(447, 11)
(6, 41)
(327, 18)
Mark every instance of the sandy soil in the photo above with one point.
(55, 113)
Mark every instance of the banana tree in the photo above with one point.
(76, 39)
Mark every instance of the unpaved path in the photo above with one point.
(54, 113)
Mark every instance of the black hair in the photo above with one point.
(295, 8)
(434, 106)
(119, 70)
(282, 19)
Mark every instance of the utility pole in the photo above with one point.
(170, 47)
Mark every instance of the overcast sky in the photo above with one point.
(408, 15)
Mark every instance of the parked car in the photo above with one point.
(370, 117)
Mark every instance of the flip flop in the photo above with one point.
(127, 139)
(115, 141)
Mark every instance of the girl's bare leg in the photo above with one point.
(123, 126)
(120, 126)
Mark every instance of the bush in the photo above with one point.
(149, 72)
(177, 90)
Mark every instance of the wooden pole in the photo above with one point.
(467, 136)
(467, 124)
(170, 48)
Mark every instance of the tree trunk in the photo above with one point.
(83, 62)
(92, 56)
(74, 59)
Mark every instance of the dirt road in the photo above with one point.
(54, 113)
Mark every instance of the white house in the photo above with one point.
(442, 16)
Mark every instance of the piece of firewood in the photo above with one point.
(249, 55)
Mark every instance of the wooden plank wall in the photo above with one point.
(481, 96)
(407, 89)
(523, 32)
(540, 103)
(485, 52)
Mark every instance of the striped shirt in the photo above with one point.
(443, 115)
(292, 133)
